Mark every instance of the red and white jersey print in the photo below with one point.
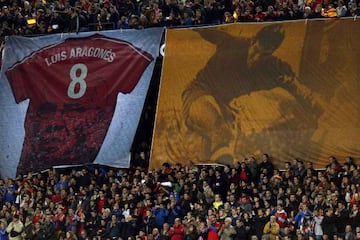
(73, 88)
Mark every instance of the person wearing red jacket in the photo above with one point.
(213, 228)
(177, 231)
(281, 216)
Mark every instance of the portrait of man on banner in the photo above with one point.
(215, 101)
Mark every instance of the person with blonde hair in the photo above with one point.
(3, 233)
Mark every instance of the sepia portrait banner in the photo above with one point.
(287, 89)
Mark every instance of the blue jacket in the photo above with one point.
(3, 234)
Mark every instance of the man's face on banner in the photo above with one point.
(63, 130)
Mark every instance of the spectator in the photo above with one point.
(259, 221)
(83, 235)
(177, 231)
(191, 233)
(213, 227)
(317, 221)
(164, 233)
(38, 232)
(227, 231)
(128, 227)
(240, 229)
(300, 170)
(3, 232)
(208, 193)
(271, 229)
(329, 224)
(266, 167)
(112, 229)
(114, 16)
(354, 9)
(281, 217)
(149, 222)
(78, 21)
(217, 202)
(70, 236)
(15, 228)
(203, 231)
(27, 232)
(341, 9)
(47, 229)
(349, 235)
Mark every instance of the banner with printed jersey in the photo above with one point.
(288, 89)
(73, 99)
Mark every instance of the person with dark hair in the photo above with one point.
(128, 227)
(191, 233)
(300, 169)
(333, 164)
(281, 217)
(240, 229)
(112, 230)
(149, 222)
(15, 228)
(48, 228)
(220, 184)
(78, 21)
(329, 224)
(350, 162)
(27, 234)
(259, 221)
(38, 233)
(266, 167)
(343, 216)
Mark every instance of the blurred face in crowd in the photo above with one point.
(177, 222)
(166, 226)
(227, 222)
(37, 226)
(239, 223)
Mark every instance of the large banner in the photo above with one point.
(73, 99)
(288, 89)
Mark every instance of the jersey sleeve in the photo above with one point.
(17, 77)
(136, 61)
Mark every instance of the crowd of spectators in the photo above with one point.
(33, 17)
(250, 200)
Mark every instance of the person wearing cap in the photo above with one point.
(15, 228)
(227, 231)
